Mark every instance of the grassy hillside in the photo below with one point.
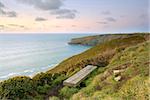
(111, 55)
(133, 64)
(98, 55)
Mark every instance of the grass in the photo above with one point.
(134, 83)
(81, 60)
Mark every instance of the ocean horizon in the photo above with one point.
(33, 53)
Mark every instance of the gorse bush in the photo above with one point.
(43, 78)
(18, 87)
(23, 87)
(67, 92)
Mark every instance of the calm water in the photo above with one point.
(30, 54)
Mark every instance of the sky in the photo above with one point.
(74, 16)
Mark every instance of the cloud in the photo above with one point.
(64, 13)
(107, 21)
(2, 26)
(1, 5)
(1, 9)
(12, 26)
(57, 26)
(123, 16)
(106, 13)
(53, 6)
(8, 13)
(3, 12)
(11, 14)
(110, 19)
(40, 19)
(102, 23)
(43, 4)
(73, 26)
(143, 16)
(16, 25)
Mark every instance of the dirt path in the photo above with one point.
(54, 91)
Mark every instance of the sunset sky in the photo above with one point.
(73, 16)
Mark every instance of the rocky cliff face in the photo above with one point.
(98, 39)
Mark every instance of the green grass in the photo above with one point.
(134, 82)
(79, 61)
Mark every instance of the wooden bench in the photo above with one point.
(77, 78)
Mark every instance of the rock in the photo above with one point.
(117, 71)
(118, 78)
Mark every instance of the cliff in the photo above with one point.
(98, 39)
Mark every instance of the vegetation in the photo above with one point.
(99, 39)
(18, 87)
(25, 88)
(134, 63)
(129, 54)
(99, 55)
(67, 92)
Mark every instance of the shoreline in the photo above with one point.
(6, 77)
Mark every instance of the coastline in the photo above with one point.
(10, 75)
(30, 54)
(50, 83)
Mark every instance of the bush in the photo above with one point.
(43, 78)
(17, 88)
(67, 92)
(43, 89)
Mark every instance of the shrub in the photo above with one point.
(67, 92)
(43, 89)
(18, 87)
(42, 78)
(58, 80)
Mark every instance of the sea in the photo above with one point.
(29, 54)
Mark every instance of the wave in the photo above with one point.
(9, 75)
(49, 66)
(12, 54)
(29, 72)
